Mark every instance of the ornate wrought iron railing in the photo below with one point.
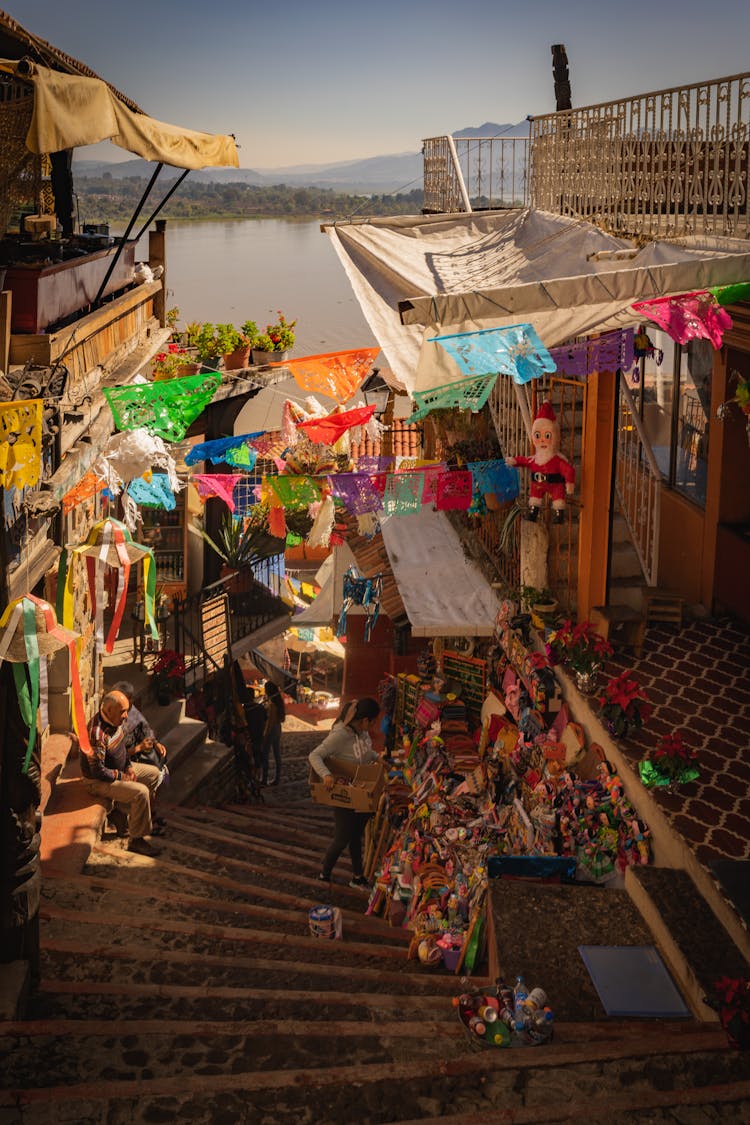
(667, 163)
(207, 625)
(638, 484)
(474, 173)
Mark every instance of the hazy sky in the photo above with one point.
(305, 82)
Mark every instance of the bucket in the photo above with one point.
(451, 957)
(325, 922)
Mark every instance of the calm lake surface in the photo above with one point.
(248, 269)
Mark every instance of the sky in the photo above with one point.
(336, 80)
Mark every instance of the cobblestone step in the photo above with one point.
(606, 1075)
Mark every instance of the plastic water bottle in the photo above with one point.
(520, 995)
(536, 1000)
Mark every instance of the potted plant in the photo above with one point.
(171, 317)
(208, 342)
(581, 649)
(241, 544)
(244, 339)
(624, 705)
(670, 763)
(168, 674)
(541, 602)
(273, 345)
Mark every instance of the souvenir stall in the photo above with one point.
(488, 778)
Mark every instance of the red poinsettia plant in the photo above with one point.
(672, 755)
(624, 705)
(579, 647)
(168, 669)
(731, 998)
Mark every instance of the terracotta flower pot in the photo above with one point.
(234, 361)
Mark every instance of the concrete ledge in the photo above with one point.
(15, 981)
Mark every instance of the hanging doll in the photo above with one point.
(551, 474)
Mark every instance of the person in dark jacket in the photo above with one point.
(349, 738)
(275, 715)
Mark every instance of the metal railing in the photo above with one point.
(207, 625)
(465, 174)
(638, 484)
(668, 163)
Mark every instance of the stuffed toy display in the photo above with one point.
(551, 474)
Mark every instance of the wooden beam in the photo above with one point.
(596, 491)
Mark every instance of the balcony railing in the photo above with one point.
(672, 162)
(638, 484)
(474, 173)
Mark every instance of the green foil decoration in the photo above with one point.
(731, 294)
(653, 778)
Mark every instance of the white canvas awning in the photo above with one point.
(417, 277)
(71, 110)
(444, 593)
(330, 578)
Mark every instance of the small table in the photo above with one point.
(143, 641)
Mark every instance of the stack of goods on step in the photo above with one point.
(506, 1016)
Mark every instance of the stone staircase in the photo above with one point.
(188, 988)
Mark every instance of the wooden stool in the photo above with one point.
(660, 604)
(630, 623)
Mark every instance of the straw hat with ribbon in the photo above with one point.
(29, 633)
(109, 543)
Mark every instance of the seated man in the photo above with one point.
(141, 743)
(108, 771)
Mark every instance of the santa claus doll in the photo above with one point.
(551, 474)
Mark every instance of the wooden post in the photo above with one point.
(157, 256)
(6, 307)
(596, 491)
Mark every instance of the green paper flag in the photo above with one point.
(166, 408)
(466, 394)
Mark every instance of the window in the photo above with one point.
(674, 400)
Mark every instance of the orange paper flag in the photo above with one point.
(336, 374)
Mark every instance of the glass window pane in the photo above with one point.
(693, 408)
(656, 396)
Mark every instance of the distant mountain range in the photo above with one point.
(375, 174)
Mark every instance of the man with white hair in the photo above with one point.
(109, 773)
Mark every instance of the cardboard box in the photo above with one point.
(357, 786)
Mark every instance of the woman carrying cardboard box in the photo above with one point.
(349, 740)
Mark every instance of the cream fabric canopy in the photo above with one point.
(71, 110)
(418, 277)
(444, 594)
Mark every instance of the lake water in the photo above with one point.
(248, 269)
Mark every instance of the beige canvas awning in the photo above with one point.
(444, 593)
(417, 277)
(72, 110)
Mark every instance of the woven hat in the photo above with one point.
(49, 638)
(112, 558)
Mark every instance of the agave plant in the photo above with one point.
(241, 544)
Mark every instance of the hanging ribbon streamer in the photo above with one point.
(166, 408)
(320, 532)
(220, 485)
(691, 316)
(109, 543)
(29, 633)
(366, 592)
(403, 493)
(495, 477)
(20, 443)
(611, 352)
(215, 450)
(87, 487)
(466, 394)
(154, 493)
(336, 374)
(454, 491)
(516, 351)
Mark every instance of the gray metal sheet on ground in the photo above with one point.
(632, 980)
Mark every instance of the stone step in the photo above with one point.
(197, 775)
(181, 740)
(624, 562)
(215, 1079)
(695, 946)
(626, 591)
